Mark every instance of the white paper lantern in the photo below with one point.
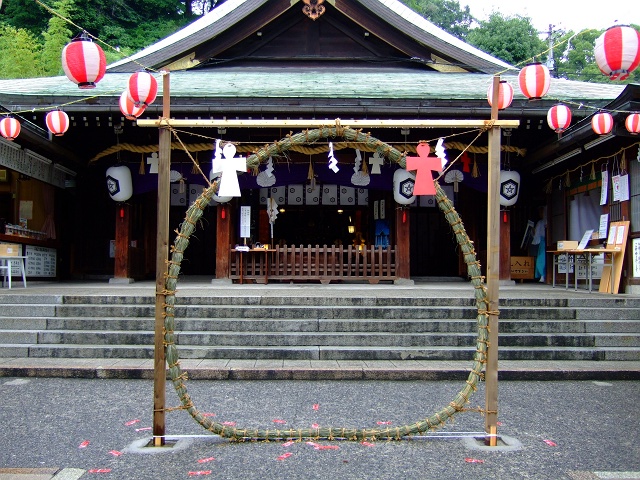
(403, 183)
(119, 183)
(509, 187)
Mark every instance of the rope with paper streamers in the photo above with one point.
(240, 148)
(433, 422)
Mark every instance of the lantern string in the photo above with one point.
(555, 45)
(144, 67)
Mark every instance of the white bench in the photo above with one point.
(7, 265)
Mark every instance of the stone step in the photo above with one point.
(340, 312)
(322, 353)
(322, 325)
(360, 339)
(371, 299)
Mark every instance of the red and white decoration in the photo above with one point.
(602, 123)
(57, 122)
(9, 128)
(83, 62)
(559, 118)
(128, 108)
(505, 94)
(423, 165)
(143, 89)
(633, 123)
(534, 80)
(617, 52)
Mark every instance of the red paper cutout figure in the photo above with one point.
(466, 160)
(423, 165)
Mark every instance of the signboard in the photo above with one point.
(245, 221)
(41, 261)
(636, 257)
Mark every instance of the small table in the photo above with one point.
(5, 268)
(572, 260)
(266, 252)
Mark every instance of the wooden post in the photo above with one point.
(223, 241)
(505, 246)
(493, 272)
(403, 270)
(162, 256)
(122, 263)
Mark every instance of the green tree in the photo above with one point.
(512, 39)
(24, 14)
(56, 37)
(20, 53)
(132, 24)
(447, 14)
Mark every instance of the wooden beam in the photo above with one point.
(315, 123)
(162, 255)
(493, 272)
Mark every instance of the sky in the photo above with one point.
(564, 14)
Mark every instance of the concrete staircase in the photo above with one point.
(318, 328)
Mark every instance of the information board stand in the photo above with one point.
(617, 240)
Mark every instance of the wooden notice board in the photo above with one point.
(617, 240)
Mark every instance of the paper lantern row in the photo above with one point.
(559, 119)
(57, 122)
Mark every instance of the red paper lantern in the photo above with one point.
(83, 62)
(128, 108)
(505, 94)
(534, 80)
(57, 122)
(559, 118)
(143, 89)
(9, 128)
(617, 52)
(602, 123)
(633, 123)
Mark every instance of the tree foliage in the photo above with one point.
(512, 39)
(447, 14)
(56, 37)
(20, 53)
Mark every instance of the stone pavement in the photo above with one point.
(68, 428)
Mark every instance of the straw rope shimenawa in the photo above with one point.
(305, 149)
(436, 420)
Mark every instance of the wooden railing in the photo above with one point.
(323, 264)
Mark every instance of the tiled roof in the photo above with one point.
(302, 83)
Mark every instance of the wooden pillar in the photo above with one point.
(122, 266)
(493, 272)
(505, 246)
(223, 240)
(162, 256)
(403, 257)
